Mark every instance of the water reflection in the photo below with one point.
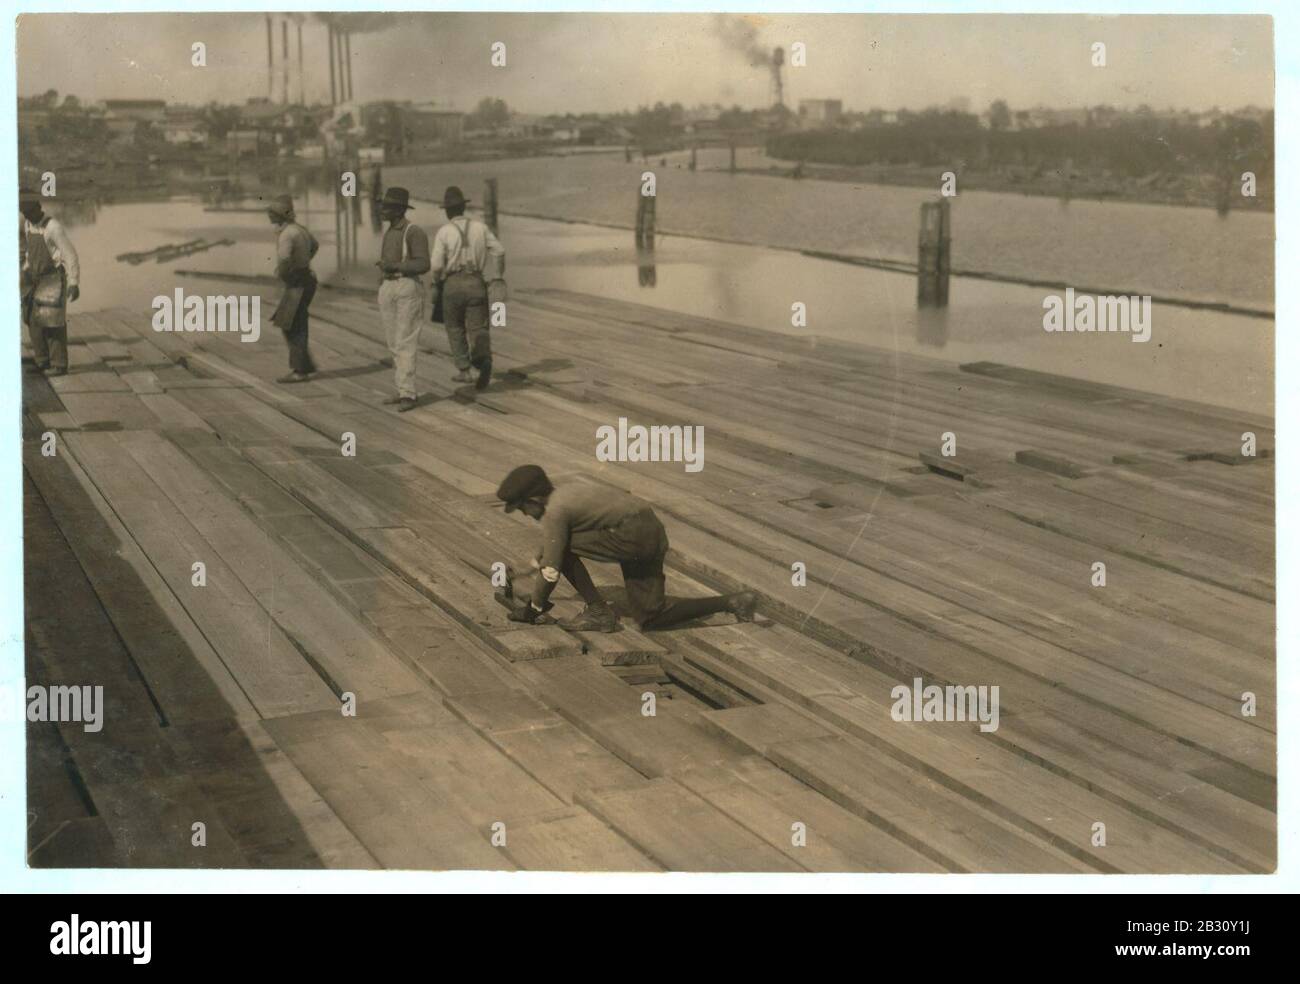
(932, 326)
(646, 275)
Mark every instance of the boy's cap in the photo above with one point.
(524, 482)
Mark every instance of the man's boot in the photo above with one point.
(593, 618)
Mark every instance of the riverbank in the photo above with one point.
(1192, 191)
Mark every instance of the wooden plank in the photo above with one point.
(437, 648)
(627, 647)
(172, 413)
(353, 657)
(465, 597)
(768, 803)
(917, 811)
(184, 674)
(401, 822)
(313, 485)
(469, 773)
(267, 666)
(1168, 831)
(547, 747)
(682, 832)
(98, 380)
(611, 713)
(914, 650)
(142, 382)
(275, 816)
(109, 411)
(573, 840)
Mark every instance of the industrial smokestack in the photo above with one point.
(302, 75)
(778, 87)
(284, 62)
(333, 91)
(338, 54)
(347, 43)
(270, 59)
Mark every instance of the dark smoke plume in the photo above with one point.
(741, 37)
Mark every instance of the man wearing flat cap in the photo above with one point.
(466, 255)
(403, 261)
(50, 274)
(294, 249)
(602, 524)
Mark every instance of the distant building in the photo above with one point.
(425, 124)
(820, 112)
(185, 131)
(1041, 116)
(148, 110)
(250, 143)
(124, 116)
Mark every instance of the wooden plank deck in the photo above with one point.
(344, 692)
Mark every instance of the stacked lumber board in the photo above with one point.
(349, 552)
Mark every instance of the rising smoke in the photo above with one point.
(740, 36)
(358, 23)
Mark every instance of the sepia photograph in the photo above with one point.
(658, 442)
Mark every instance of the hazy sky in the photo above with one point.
(596, 62)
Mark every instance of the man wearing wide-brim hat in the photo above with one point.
(294, 248)
(403, 260)
(466, 255)
(50, 274)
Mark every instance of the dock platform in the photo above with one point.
(1136, 729)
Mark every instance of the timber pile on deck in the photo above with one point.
(368, 575)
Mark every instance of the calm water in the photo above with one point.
(1207, 356)
(1120, 247)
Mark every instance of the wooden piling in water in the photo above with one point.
(692, 157)
(933, 252)
(645, 220)
(490, 203)
(732, 168)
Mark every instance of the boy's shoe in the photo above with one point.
(57, 371)
(392, 400)
(462, 377)
(294, 377)
(742, 605)
(592, 619)
(405, 403)
(37, 368)
(484, 375)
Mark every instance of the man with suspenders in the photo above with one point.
(466, 255)
(403, 260)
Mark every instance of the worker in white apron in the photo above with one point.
(50, 275)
